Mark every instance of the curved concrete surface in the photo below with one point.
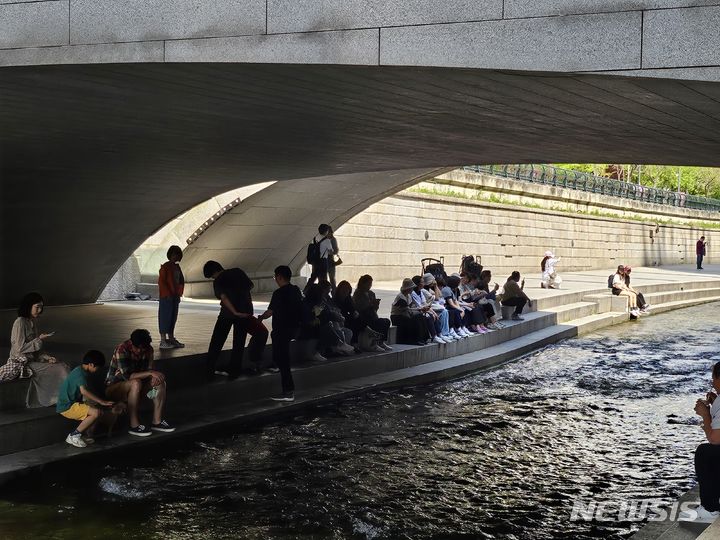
(178, 101)
(94, 159)
(274, 226)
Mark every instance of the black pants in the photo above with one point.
(380, 325)
(319, 272)
(641, 300)
(707, 470)
(281, 356)
(241, 328)
(411, 330)
(518, 302)
(699, 261)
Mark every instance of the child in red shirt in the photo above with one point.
(171, 283)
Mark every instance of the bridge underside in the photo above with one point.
(94, 158)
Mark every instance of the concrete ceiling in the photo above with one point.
(94, 158)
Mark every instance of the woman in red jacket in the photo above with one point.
(171, 283)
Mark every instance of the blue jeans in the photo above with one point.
(168, 314)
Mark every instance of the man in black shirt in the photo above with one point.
(285, 309)
(232, 287)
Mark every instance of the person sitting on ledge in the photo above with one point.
(642, 304)
(367, 305)
(514, 295)
(707, 455)
(70, 403)
(550, 278)
(408, 316)
(316, 324)
(620, 289)
(130, 377)
(27, 358)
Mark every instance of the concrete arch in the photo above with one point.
(274, 226)
(95, 158)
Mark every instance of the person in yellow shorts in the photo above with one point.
(73, 391)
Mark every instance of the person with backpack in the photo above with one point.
(619, 288)
(319, 253)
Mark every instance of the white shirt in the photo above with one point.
(618, 280)
(715, 414)
(325, 246)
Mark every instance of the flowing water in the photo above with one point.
(500, 454)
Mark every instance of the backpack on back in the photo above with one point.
(313, 253)
(611, 278)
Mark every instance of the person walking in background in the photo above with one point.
(320, 253)
(700, 249)
(232, 287)
(333, 260)
(27, 358)
(171, 284)
(286, 311)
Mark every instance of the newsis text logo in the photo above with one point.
(633, 510)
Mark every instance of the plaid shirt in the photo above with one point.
(125, 362)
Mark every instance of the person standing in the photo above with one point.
(332, 261)
(323, 254)
(286, 310)
(232, 287)
(171, 284)
(700, 248)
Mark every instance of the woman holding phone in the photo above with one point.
(27, 358)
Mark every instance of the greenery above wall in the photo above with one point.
(492, 198)
(702, 181)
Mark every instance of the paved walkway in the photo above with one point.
(103, 326)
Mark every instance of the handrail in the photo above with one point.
(554, 176)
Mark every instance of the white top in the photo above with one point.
(618, 280)
(325, 246)
(715, 414)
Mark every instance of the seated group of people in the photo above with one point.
(432, 308)
(620, 282)
(129, 378)
(344, 322)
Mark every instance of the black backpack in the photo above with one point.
(611, 278)
(313, 253)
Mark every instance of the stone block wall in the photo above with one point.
(389, 238)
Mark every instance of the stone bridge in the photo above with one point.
(118, 115)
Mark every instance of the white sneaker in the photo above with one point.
(75, 440)
(701, 515)
(317, 357)
(447, 339)
(647, 307)
(464, 332)
(439, 340)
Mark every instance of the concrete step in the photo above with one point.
(201, 407)
(576, 310)
(24, 429)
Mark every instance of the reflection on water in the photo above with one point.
(501, 454)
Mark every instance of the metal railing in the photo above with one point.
(553, 176)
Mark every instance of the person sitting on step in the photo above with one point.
(515, 296)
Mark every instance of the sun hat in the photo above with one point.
(407, 285)
(428, 279)
(548, 253)
(456, 274)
